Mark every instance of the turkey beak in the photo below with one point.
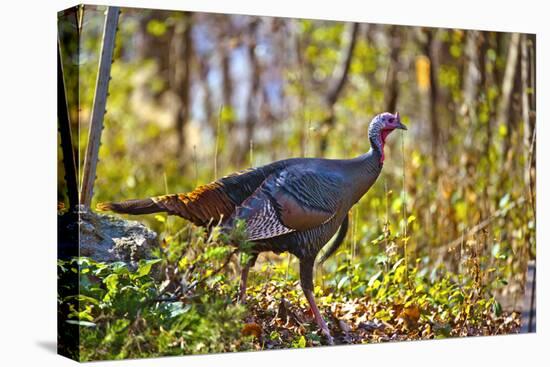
(399, 124)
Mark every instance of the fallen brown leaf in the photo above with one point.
(411, 313)
(252, 329)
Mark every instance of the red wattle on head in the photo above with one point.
(383, 135)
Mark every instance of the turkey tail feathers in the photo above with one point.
(138, 206)
(202, 206)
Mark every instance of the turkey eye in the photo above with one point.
(392, 120)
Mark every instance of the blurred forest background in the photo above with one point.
(196, 96)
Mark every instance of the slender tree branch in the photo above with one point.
(340, 74)
(339, 78)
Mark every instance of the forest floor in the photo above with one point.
(183, 301)
(122, 313)
(280, 323)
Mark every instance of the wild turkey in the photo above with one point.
(294, 205)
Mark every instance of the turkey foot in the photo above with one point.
(318, 318)
(306, 281)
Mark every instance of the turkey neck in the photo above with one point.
(363, 172)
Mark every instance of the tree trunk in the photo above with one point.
(392, 88)
(226, 75)
(503, 111)
(499, 47)
(482, 62)
(155, 47)
(528, 113)
(303, 84)
(253, 97)
(227, 112)
(207, 101)
(431, 50)
(183, 50)
(493, 79)
(339, 78)
(472, 79)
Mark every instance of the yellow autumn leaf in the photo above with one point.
(423, 73)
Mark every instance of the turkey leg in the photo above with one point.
(244, 277)
(306, 281)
